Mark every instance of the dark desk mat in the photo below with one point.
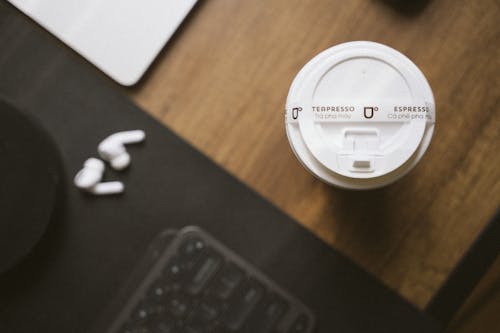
(94, 243)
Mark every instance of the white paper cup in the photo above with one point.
(360, 115)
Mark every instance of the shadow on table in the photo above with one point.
(408, 7)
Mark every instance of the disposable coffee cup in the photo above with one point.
(360, 115)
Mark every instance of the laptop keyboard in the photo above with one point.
(197, 285)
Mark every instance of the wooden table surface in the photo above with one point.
(222, 82)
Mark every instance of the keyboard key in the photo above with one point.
(138, 329)
(219, 328)
(226, 282)
(158, 291)
(133, 328)
(173, 269)
(301, 325)
(162, 325)
(243, 304)
(267, 315)
(195, 328)
(191, 247)
(145, 311)
(205, 313)
(178, 305)
(208, 265)
(179, 270)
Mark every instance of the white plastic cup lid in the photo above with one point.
(360, 115)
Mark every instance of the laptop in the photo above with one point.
(120, 37)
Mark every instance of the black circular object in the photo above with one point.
(30, 178)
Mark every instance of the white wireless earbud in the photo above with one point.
(112, 149)
(90, 175)
(89, 178)
(107, 188)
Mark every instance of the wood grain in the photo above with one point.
(221, 83)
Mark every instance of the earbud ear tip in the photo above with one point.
(94, 163)
(85, 178)
(108, 188)
(121, 161)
